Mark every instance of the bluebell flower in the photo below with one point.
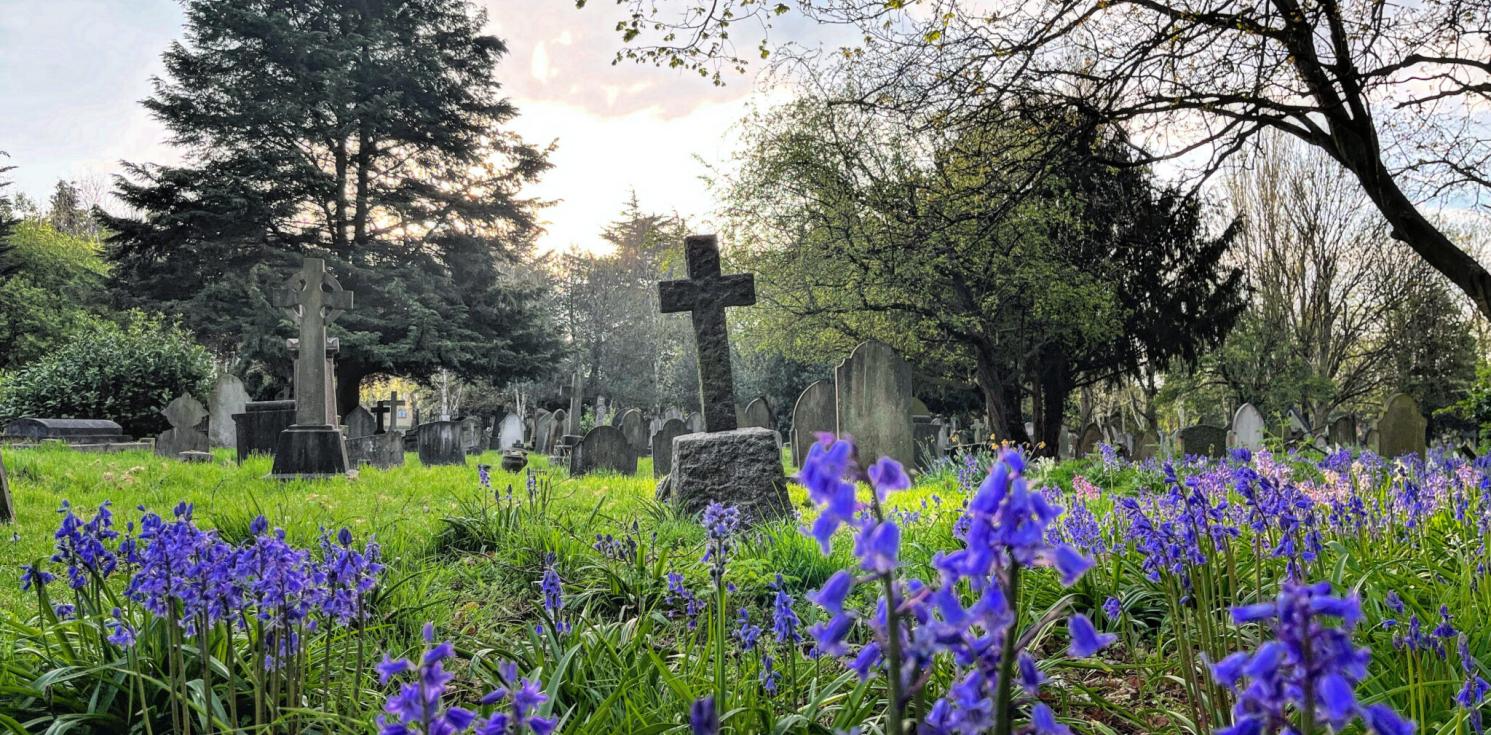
(784, 620)
(703, 720)
(1086, 641)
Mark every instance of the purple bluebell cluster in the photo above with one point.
(1007, 530)
(419, 707)
(1307, 672)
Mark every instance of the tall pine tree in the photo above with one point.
(368, 132)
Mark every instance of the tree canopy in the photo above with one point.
(368, 132)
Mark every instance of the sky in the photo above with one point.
(72, 73)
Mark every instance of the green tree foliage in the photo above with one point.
(1014, 258)
(126, 373)
(630, 352)
(368, 132)
(48, 283)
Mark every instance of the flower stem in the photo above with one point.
(1006, 722)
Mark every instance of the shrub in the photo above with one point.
(125, 372)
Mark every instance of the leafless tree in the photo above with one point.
(1398, 94)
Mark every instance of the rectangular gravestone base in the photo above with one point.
(310, 453)
(379, 450)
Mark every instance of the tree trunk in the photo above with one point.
(987, 374)
(1409, 225)
(1050, 405)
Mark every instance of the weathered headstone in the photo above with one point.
(187, 417)
(635, 431)
(695, 421)
(603, 449)
(757, 414)
(662, 445)
(919, 408)
(1343, 431)
(556, 430)
(82, 434)
(1147, 445)
(1402, 428)
(440, 443)
(510, 433)
(228, 397)
(815, 411)
(471, 435)
(576, 404)
(379, 450)
(7, 503)
(1092, 436)
(931, 439)
(360, 422)
(1066, 444)
(742, 468)
(1203, 440)
(1247, 428)
(1298, 430)
(260, 425)
(313, 447)
(543, 424)
(872, 389)
(705, 294)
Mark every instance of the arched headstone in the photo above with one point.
(1092, 436)
(814, 412)
(1402, 428)
(872, 389)
(510, 432)
(662, 446)
(228, 397)
(604, 448)
(1247, 428)
(635, 431)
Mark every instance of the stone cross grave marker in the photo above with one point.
(312, 447)
(314, 298)
(185, 435)
(1247, 428)
(705, 294)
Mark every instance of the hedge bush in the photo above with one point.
(125, 372)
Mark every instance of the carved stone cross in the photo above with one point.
(314, 299)
(706, 293)
(390, 408)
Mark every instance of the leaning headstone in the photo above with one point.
(814, 412)
(1205, 441)
(635, 430)
(228, 397)
(543, 424)
(7, 504)
(313, 447)
(742, 468)
(510, 433)
(1092, 436)
(872, 389)
(1402, 428)
(187, 417)
(603, 449)
(1343, 431)
(705, 294)
(662, 445)
(360, 422)
(1247, 428)
(440, 443)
